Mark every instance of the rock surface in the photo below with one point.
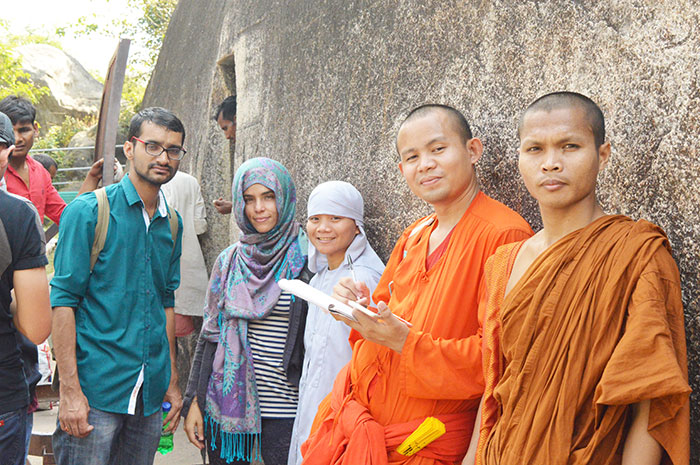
(73, 91)
(323, 86)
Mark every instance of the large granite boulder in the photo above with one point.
(323, 86)
(73, 91)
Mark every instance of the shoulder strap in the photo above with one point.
(5, 250)
(172, 218)
(101, 226)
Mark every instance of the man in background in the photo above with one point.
(225, 116)
(184, 195)
(27, 177)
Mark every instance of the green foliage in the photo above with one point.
(152, 26)
(13, 80)
(60, 136)
(132, 96)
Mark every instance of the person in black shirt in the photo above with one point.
(22, 268)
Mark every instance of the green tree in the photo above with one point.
(13, 80)
(152, 26)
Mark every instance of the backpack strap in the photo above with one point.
(172, 219)
(101, 226)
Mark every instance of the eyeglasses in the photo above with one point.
(155, 150)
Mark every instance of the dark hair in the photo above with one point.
(18, 109)
(456, 117)
(227, 108)
(45, 160)
(158, 116)
(557, 100)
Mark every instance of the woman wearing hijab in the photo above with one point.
(248, 360)
(336, 232)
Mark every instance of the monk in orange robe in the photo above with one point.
(399, 375)
(584, 342)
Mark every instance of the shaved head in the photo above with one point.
(456, 118)
(558, 100)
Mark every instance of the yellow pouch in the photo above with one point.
(427, 432)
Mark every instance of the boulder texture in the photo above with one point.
(323, 86)
(73, 91)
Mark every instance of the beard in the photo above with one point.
(150, 178)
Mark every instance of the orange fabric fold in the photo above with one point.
(350, 435)
(593, 326)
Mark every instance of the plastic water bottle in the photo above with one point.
(166, 439)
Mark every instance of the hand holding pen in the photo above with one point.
(357, 304)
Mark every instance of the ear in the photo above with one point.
(603, 156)
(129, 150)
(36, 128)
(475, 149)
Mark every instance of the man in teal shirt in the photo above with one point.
(113, 328)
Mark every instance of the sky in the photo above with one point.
(44, 16)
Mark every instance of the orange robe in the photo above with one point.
(439, 370)
(594, 325)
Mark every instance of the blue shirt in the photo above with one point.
(121, 342)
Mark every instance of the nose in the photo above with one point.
(426, 162)
(551, 161)
(163, 158)
(259, 205)
(323, 225)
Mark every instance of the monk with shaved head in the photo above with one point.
(584, 342)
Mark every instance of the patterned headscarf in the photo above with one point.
(243, 287)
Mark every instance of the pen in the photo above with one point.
(352, 270)
(361, 307)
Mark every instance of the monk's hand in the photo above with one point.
(384, 328)
(347, 289)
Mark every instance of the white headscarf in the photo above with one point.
(339, 198)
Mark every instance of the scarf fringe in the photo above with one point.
(234, 446)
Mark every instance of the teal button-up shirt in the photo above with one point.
(121, 342)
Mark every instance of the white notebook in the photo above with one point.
(321, 299)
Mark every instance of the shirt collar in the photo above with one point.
(132, 196)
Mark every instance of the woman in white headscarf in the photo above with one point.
(335, 227)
